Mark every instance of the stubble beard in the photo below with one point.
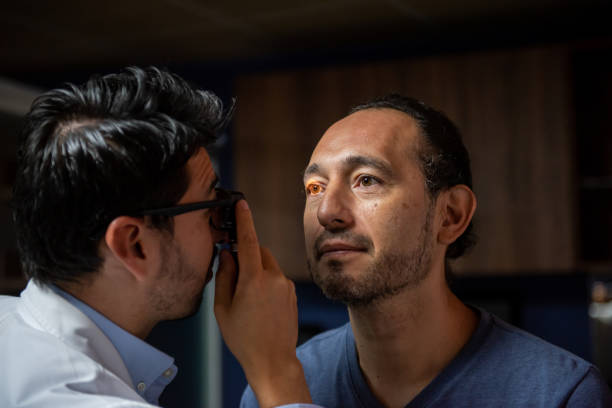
(391, 272)
(173, 298)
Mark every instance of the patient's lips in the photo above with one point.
(335, 249)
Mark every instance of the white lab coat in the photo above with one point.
(52, 355)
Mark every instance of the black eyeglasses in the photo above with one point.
(226, 201)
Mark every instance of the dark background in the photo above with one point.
(43, 44)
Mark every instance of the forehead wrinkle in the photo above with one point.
(354, 161)
(404, 130)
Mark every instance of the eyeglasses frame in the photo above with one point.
(229, 201)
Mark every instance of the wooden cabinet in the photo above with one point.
(593, 102)
(515, 112)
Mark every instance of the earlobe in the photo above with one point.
(126, 239)
(459, 204)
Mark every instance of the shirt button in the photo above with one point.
(141, 387)
(168, 373)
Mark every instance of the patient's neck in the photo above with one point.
(405, 341)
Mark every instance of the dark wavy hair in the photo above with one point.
(444, 160)
(90, 153)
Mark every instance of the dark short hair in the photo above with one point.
(444, 160)
(90, 153)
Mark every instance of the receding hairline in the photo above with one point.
(413, 149)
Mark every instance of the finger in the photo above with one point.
(268, 261)
(248, 245)
(225, 282)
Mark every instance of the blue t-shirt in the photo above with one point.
(500, 366)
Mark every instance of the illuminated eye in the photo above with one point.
(313, 189)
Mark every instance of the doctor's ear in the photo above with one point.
(458, 204)
(132, 243)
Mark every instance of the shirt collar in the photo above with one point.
(144, 363)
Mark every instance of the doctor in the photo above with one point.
(105, 171)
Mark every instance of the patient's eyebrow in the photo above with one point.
(310, 170)
(353, 161)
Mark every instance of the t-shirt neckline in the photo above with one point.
(436, 387)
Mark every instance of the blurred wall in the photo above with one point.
(513, 108)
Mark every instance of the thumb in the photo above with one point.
(225, 282)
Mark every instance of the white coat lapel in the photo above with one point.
(58, 317)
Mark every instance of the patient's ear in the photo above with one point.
(132, 244)
(458, 206)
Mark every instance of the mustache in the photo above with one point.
(347, 237)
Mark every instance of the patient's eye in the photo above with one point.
(367, 180)
(314, 189)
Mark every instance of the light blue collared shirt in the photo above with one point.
(150, 369)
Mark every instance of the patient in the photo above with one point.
(389, 203)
